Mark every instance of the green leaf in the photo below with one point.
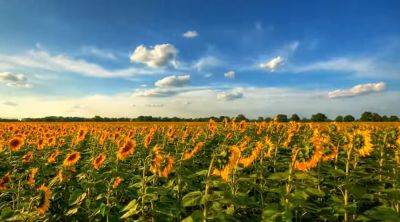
(192, 199)
(76, 198)
(382, 213)
(72, 211)
(314, 192)
(194, 217)
(131, 208)
(279, 176)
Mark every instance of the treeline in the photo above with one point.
(319, 117)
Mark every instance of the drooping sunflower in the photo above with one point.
(32, 175)
(4, 180)
(44, 204)
(98, 161)
(117, 182)
(53, 156)
(127, 149)
(248, 161)
(189, 154)
(27, 157)
(225, 172)
(315, 158)
(16, 143)
(367, 147)
(71, 159)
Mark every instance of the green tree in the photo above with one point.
(319, 117)
(281, 118)
(349, 118)
(339, 119)
(295, 118)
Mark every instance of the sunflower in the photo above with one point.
(71, 159)
(27, 157)
(149, 137)
(16, 143)
(230, 166)
(367, 147)
(53, 157)
(168, 168)
(4, 180)
(127, 149)
(45, 200)
(98, 161)
(189, 154)
(31, 176)
(315, 158)
(117, 182)
(81, 135)
(248, 161)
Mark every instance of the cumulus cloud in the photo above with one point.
(231, 95)
(173, 81)
(97, 52)
(40, 59)
(358, 90)
(14, 80)
(190, 34)
(273, 64)
(9, 103)
(230, 74)
(155, 57)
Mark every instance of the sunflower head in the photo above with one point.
(16, 143)
(71, 159)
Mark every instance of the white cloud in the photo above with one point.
(100, 53)
(155, 57)
(190, 34)
(156, 92)
(39, 59)
(9, 103)
(358, 90)
(273, 64)
(14, 80)
(207, 62)
(234, 94)
(173, 81)
(342, 64)
(230, 74)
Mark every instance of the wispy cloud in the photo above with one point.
(230, 74)
(14, 80)
(97, 52)
(358, 90)
(9, 103)
(43, 60)
(190, 34)
(273, 64)
(234, 94)
(207, 62)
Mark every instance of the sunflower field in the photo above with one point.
(228, 171)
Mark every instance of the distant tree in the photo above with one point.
(304, 119)
(260, 119)
(349, 118)
(267, 119)
(393, 118)
(281, 118)
(376, 117)
(319, 117)
(366, 117)
(339, 119)
(385, 118)
(241, 117)
(295, 118)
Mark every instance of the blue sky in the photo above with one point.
(198, 58)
